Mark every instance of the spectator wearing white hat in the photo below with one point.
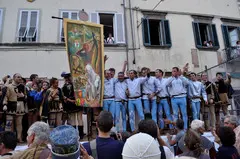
(141, 146)
(149, 127)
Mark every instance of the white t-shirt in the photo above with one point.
(110, 40)
(168, 152)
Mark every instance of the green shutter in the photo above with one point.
(168, 41)
(238, 33)
(215, 37)
(197, 36)
(146, 32)
(226, 36)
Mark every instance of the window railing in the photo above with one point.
(232, 52)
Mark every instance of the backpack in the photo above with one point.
(93, 146)
(163, 155)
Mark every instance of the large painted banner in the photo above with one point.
(85, 48)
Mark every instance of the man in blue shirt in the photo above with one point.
(121, 101)
(134, 96)
(162, 96)
(108, 98)
(104, 147)
(196, 90)
(177, 85)
(149, 90)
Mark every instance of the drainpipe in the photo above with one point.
(126, 31)
(131, 19)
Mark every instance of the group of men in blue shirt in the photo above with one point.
(149, 94)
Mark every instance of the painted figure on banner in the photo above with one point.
(85, 52)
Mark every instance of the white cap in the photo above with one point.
(141, 146)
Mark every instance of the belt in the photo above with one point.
(195, 97)
(121, 101)
(162, 97)
(134, 97)
(178, 95)
(10, 102)
(108, 97)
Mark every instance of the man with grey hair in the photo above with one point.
(37, 139)
(198, 126)
(233, 122)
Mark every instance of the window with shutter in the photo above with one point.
(231, 38)
(94, 17)
(151, 27)
(23, 24)
(113, 29)
(32, 31)
(215, 37)
(1, 18)
(28, 26)
(74, 15)
(110, 28)
(146, 32)
(226, 36)
(205, 35)
(119, 29)
(196, 32)
(167, 33)
(230, 35)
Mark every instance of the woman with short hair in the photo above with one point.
(193, 143)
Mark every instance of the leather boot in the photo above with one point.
(81, 133)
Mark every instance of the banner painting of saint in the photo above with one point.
(84, 44)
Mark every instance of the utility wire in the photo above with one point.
(151, 10)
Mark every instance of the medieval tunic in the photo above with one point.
(11, 98)
(2, 95)
(52, 104)
(21, 100)
(68, 92)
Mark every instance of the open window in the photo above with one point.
(74, 15)
(231, 37)
(113, 27)
(231, 34)
(205, 35)
(156, 32)
(107, 21)
(28, 26)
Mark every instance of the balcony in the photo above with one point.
(233, 54)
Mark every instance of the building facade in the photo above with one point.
(151, 33)
(33, 42)
(172, 33)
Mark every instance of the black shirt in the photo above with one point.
(227, 152)
(222, 87)
(209, 87)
